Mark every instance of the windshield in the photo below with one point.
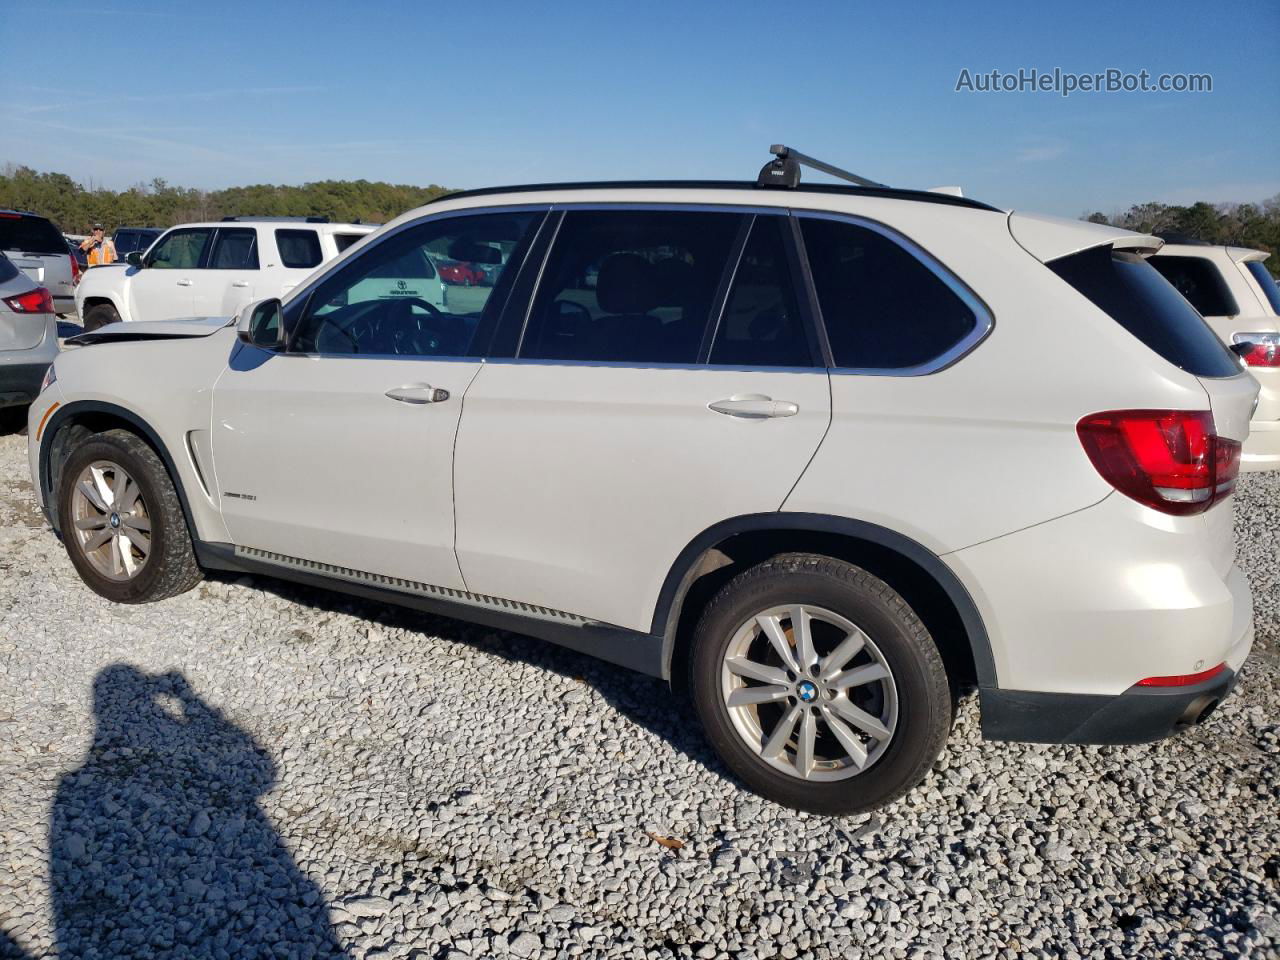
(1267, 282)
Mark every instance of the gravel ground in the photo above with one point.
(255, 769)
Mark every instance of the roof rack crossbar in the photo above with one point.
(785, 170)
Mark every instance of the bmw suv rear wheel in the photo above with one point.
(819, 686)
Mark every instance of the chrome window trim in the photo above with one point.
(984, 319)
(339, 262)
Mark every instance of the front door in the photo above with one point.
(339, 449)
(164, 289)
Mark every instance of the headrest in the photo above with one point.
(625, 284)
(673, 281)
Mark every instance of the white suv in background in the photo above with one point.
(1238, 297)
(826, 455)
(212, 269)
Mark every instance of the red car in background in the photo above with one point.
(460, 274)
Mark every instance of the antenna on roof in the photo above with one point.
(785, 170)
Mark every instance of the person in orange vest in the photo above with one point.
(100, 250)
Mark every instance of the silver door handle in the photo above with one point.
(184, 283)
(754, 406)
(240, 283)
(418, 393)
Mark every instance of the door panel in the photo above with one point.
(314, 460)
(165, 288)
(582, 474)
(578, 486)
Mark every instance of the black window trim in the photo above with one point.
(299, 299)
(749, 213)
(985, 319)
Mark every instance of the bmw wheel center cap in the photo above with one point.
(807, 692)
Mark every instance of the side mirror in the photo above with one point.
(260, 324)
(134, 259)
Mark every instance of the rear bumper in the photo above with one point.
(22, 371)
(1262, 449)
(1139, 715)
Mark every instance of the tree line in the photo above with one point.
(73, 207)
(1255, 225)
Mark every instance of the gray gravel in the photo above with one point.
(255, 769)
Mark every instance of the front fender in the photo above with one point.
(109, 283)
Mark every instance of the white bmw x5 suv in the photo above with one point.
(827, 455)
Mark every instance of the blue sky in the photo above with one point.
(480, 94)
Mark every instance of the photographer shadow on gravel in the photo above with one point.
(157, 845)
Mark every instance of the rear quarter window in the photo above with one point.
(1130, 291)
(299, 249)
(1200, 281)
(344, 240)
(30, 235)
(883, 308)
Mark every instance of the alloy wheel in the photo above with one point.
(809, 692)
(110, 520)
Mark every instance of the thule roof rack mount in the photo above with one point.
(784, 170)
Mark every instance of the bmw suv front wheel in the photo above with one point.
(819, 686)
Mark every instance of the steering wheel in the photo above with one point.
(409, 330)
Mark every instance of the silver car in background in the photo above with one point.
(28, 335)
(38, 249)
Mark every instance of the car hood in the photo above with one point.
(152, 330)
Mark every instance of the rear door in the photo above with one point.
(587, 461)
(230, 276)
(164, 288)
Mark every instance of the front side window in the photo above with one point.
(882, 307)
(631, 286)
(762, 326)
(1267, 282)
(236, 248)
(1199, 280)
(299, 249)
(390, 301)
(180, 249)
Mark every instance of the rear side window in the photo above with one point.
(762, 326)
(1200, 281)
(1266, 282)
(1130, 291)
(630, 286)
(24, 234)
(236, 249)
(882, 307)
(299, 249)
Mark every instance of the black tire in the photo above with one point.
(171, 566)
(924, 697)
(100, 315)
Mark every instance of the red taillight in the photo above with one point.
(1183, 679)
(1264, 348)
(75, 269)
(1170, 460)
(38, 300)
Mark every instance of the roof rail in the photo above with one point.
(278, 219)
(784, 170)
